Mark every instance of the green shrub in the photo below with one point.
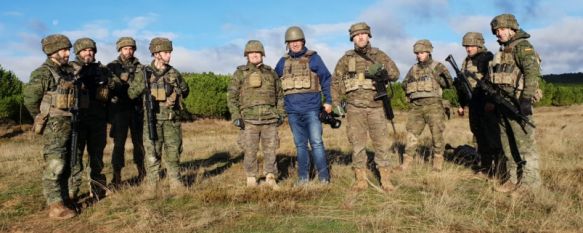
(208, 95)
(10, 95)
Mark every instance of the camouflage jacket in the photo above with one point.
(41, 80)
(255, 94)
(126, 72)
(440, 75)
(528, 62)
(97, 82)
(348, 81)
(170, 79)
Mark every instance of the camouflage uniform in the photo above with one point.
(97, 81)
(365, 116)
(483, 124)
(168, 89)
(48, 84)
(516, 69)
(256, 97)
(423, 86)
(126, 114)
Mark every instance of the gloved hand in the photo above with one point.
(375, 69)
(239, 123)
(279, 120)
(525, 106)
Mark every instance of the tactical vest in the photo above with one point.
(354, 79)
(297, 76)
(161, 89)
(505, 70)
(59, 100)
(423, 82)
(470, 69)
(258, 87)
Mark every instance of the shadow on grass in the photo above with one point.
(222, 160)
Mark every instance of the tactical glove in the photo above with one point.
(239, 123)
(525, 106)
(279, 120)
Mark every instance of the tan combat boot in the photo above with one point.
(506, 187)
(437, 162)
(270, 181)
(360, 184)
(406, 163)
(59, 211)
(251, 182)
(385, 181)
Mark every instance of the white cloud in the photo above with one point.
(560, 45)
(95, 30)
(12, 13)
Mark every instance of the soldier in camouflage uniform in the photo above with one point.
(516, 69)
(304, 78)
(484, 125)
(423, 86)
(353, 81)
(255, 99)
(97, 81)
(168, 89)
(51, 82)
(126, 114)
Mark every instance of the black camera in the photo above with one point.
(329, 118)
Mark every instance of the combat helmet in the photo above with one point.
(294, 33)
(160, 44)
(357, 28)
(473, 39)
(124, 42)
(254, 46)
(84, 43)
(423, 46)
(504, 21)
(55, 42)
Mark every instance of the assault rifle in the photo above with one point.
(504, 101)
(380, 85)
(461, 81)
(150, 107)
(75, 119)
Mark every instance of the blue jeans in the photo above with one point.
(306, 126)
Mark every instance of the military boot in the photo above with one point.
(437, 162)
(385, 181)
(360, 184)
(116, 180)
(506, 187)
(406, 163)
(270, 181)
(59, 211)
(251, 182)
(141, 172)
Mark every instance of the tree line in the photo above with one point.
(208, 95)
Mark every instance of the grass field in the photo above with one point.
(454, 200)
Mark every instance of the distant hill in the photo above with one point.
(567, 78)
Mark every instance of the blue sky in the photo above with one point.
(210, 35)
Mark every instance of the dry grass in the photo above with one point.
(455, 200)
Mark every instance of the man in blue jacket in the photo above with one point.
(304, 76)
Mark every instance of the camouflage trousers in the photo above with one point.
(169, 138)
(523, 167)
(249, 140)
(364, 122)
(426, 111)
(122, 121)
(93, 134)
(56, 173)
